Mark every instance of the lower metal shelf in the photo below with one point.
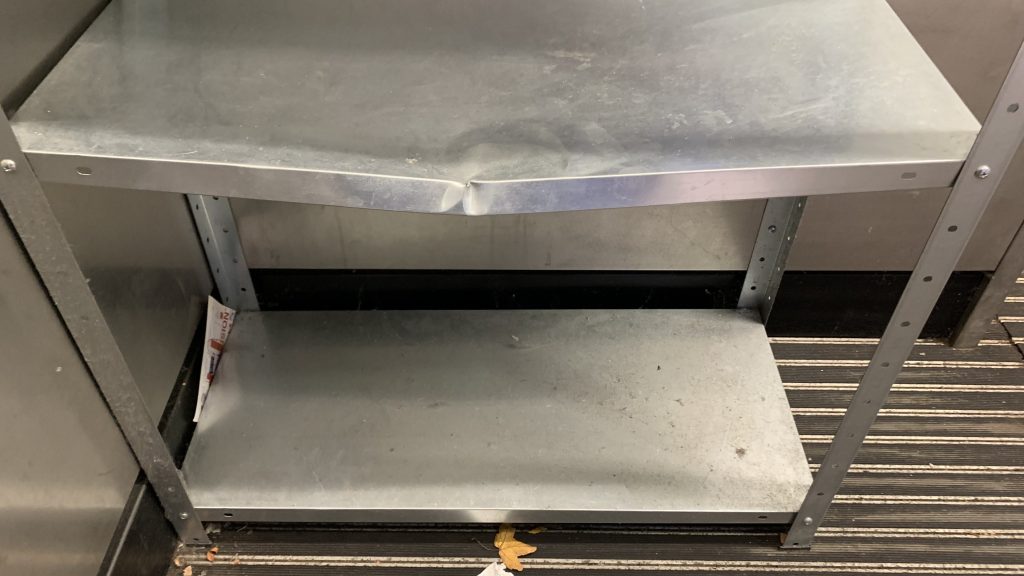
(491, 416)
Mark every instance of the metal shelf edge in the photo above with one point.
(404, 194)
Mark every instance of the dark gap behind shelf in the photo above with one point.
(848, 304)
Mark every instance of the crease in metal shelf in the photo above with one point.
(494, 197)
(484, 107)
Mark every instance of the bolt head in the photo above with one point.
(8, 165)
(183, 515)
(983, 172)
(808, 521)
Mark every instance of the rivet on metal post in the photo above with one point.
(983, 172)
(808, 521)
(8, 165)
(772, 228)
(183, 515)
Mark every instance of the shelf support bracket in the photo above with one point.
(218, 233)
(41, 235)
(771, 250)
(988, 161)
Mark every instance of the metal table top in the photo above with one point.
(497, 106)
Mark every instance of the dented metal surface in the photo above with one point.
(474, 107)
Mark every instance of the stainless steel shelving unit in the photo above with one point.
(482, 107)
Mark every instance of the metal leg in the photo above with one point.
(41, 234)
(1000, 136)
(985, 307)
(216, 225)
(771, 249)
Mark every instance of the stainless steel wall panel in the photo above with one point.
(33, 33)
(691, 237)
(66, 469)
(147, 271)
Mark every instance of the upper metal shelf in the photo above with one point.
(497, 106)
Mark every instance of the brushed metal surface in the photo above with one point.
(484, 107)
(66, 469)
(33, 35)
(147, 272)
(690, 237)
(639, 415)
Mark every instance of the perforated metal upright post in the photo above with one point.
(218, 233)
(996, 145)
(771, 250)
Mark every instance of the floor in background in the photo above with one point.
(937, 489)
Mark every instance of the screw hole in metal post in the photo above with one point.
(1013, 108)
(885, 364)
(904, 324)
(84, 171)
(229, 515)
(952, 228)
(927, 278)
(908, 175)
(753, 287)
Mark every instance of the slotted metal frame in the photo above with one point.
(25, 204)
(775, 237)
(1000, 136)
(218, 233)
